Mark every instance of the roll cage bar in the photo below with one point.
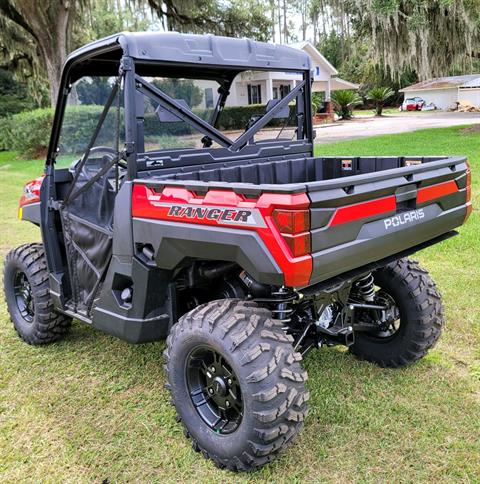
(134, 83)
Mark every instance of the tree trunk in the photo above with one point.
(304, 20)
(272, 14)
(279, 22)
(48, 24)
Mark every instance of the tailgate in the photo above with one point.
(362, 219)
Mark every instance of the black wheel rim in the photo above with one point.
(214, 390)
(23, 296)
(391, 320)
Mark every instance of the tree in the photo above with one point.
(181, 89)
(41, 35)
(430, 37)
(93, 90)
(47, 27)
(233, 18)
(379, 96)
(13, 95)
(344, 101)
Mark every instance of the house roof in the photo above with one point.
(336, 84)
(316, 56)
(451, 82)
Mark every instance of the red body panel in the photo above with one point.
(281, 220)
(147, 203)
(31, 192)
(349, 213)
(436, 191)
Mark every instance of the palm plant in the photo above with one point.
(317, 100)
(379, 96)
(344, 101)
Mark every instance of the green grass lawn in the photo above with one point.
(92, 407)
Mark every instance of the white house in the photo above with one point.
(446, 92)
(259, 87)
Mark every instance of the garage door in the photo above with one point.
(471, 96)
(442, 98)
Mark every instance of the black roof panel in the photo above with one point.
(196, 49)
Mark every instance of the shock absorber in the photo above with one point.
(282, 307)
(278, 299)
(365, 287)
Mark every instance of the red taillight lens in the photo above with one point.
(292, 221)
(294, 226)
(468, 174)
(31, 192)
(298, 244)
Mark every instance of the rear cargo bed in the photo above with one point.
(362, 209)
(290, 171)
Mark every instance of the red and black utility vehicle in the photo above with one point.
(182, 199)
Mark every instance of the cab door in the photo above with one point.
(89, 142)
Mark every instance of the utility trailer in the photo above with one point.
(177, 218)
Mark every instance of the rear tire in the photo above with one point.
(27, 294)
(421, 317)
(269, 383)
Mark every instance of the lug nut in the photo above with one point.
(227, 403)
(212, 369)
(229, 381)
(210, 390)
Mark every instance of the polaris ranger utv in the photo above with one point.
(168, 210)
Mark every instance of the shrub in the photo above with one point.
(5, 133)
(380, 95)
(29, 132)
(344, 101)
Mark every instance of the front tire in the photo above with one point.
(255, 369)
(27, 294)
(421, 317)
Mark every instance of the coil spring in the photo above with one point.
(365, 287)
(282, 309)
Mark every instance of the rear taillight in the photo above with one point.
(468, 174)
(292, 221)
(31, 194)
(294, 227)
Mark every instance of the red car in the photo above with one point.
(412, 104)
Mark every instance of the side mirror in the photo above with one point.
(166, 116)
(284, 113)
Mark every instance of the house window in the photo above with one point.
(209, 97)
(275, 93)
(254, 94)
(284, 90)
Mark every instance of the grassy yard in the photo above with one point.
(93, 408)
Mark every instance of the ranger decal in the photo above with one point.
(223, 215)
(208, 214)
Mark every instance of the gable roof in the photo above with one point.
(450, 82)
(316, 56)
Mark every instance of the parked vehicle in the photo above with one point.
(244, 250)
(412, 104)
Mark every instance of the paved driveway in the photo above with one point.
(361, 127)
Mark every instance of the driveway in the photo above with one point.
(361, 127)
